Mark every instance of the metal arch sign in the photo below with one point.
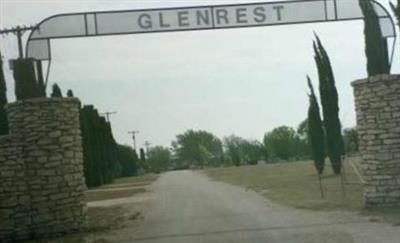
(90, 24)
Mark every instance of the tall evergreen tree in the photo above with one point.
(142, 158)
(56, 91)
(41, 85)
(103, 158)
(142, 155)
(3, 100)
(376, 48)
(128, 160)
(316, 131)
(396, 11)
(330, 106)
(26, 85)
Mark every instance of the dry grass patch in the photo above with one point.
(143, 180)
(92, 196)
(295, 184)
(120, 188)
(104, 219)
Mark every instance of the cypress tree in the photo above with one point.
(396, 11)
(376, 48)
(3, 100)
(142, 159)
(128, 160)
(330, 106)
(142, 155)
(70, 94)
(41, 88)
(316, 134)
(56, 91)
(91, 141)
(102, 158)
(26, 85)
(86, 141)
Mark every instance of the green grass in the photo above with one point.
(296, 184)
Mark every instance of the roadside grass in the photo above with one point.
(147, 179)
(295, 184)
(103, 219)
(120, 188)
(142, 180)
(99, 195)
(100, 219)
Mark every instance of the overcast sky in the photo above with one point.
(237, 81)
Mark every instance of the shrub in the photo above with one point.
(56, 91)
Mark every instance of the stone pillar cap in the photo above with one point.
(376, 78)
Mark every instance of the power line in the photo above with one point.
(19, 31)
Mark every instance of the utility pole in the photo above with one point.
(19, 32)
(134, 138)
(108, 114)
(147, 145)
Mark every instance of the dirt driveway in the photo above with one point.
(186, 206)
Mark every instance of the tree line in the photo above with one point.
(200, 149)
(104, 159)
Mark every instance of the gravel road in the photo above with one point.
(187, 207)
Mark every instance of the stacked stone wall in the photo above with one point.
(41, 168)
(377, 102)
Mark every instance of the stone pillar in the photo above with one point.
(377, 101)
(14, 201)
(50, 161)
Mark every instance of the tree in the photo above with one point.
(40, 81)
(26, 84)
(192, 146)
(241, 151)
(232, 146)
(204, 155)
(3, 101)
(100, 151)
(253, 151)
(282, 142)
(396, 11)
(159, 159)
(56, 91)
(376, 48)
(315, 131)
(127, 159)
(330, 106)
(302, 129)
(304, 147)
(70, 94)
(142, 159)
(351, 141)
(142, 155)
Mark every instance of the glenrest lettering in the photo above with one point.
(209, 17)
